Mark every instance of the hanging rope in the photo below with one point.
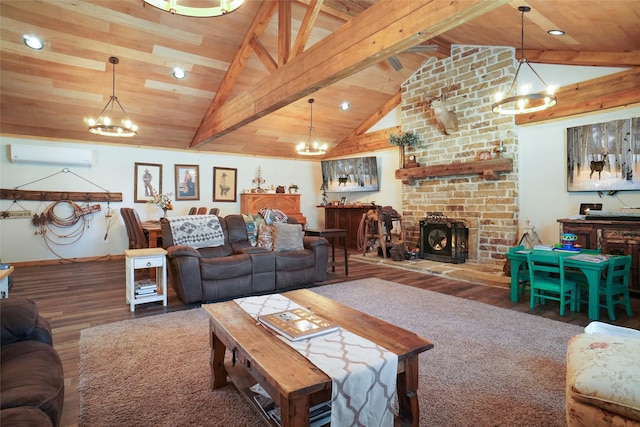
(64, 170)
(49, 223)
(68, 228)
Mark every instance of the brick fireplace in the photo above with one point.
(487, 203)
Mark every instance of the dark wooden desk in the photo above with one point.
(333, 234)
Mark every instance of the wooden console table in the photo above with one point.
(287, 203)
(618, 237)
(346, 217)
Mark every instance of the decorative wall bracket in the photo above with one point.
(489, 169)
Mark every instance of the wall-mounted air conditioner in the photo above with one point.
(50, 155)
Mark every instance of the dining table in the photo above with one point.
(592, 266)
(153, 231)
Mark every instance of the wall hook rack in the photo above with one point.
(55, 196)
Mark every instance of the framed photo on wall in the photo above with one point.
(147, 180)
(187, 182)
(225, 182)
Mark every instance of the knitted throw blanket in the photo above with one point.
(197, 231)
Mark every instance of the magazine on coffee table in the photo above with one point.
(298, 324)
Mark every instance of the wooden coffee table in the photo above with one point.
(294, 383)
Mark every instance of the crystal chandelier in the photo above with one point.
(311, 147)
(525, 102)
(107, 126)
(223, 7)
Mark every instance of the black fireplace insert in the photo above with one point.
(443, 240)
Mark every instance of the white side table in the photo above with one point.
(137, 259)
(4, 282)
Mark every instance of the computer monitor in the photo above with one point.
(586, 207)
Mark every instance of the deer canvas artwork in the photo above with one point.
(604, 156)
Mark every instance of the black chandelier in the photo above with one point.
(527, 102)
(111, 126)
(311, 147)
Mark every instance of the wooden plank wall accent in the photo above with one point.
(6, 194)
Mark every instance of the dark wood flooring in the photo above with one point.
(85, 294)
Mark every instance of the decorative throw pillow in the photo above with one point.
(265, 236)
(271, 216)
(288, 237)
(252, 224)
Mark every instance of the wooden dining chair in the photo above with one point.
(547, 281)
(214, 211)
(135, 232)
(202, 211)
(614, 287)
(193, 211)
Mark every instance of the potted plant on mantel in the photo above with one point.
(407, 139)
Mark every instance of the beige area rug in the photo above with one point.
(481, 274)
(490, 366)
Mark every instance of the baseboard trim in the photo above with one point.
(65, 261)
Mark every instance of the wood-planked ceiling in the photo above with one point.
(249, 74)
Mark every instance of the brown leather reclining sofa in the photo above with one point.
(32, 392)
(238, 269)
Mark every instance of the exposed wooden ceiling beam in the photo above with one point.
(308, 22)
(284, 31)
(570, 57)
(263, 55)
(358, 138)
(388, 106)
(345, 15)
(615, 90)
(257, 27)
(379, 32)
(372, 141)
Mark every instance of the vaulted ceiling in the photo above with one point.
(250, 73)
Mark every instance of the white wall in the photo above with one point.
(113, 170)
(543, 196)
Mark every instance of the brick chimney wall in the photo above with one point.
(489, 208)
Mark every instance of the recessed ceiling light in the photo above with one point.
(33, 42)
(179, 73)
(345, 106)
(556, 32)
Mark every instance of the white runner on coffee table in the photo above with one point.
(363, 374)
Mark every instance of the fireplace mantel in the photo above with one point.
(489, 169)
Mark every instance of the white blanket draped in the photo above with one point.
(364, 374)
(197, 231)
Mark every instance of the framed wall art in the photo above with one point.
(147, 181)
(187, 182)
(604, 156)
(225, 182)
